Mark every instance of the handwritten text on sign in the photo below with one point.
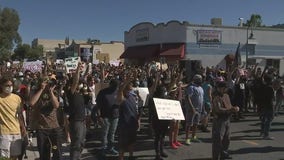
(168, 109)
(33, 66)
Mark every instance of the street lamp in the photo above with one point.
(247, 48)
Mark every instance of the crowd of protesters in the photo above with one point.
(62, 107)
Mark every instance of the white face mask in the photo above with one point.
(81, 86)
(8, 90)
(22, 78)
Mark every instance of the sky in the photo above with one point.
(107, 20)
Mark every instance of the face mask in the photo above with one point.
(81, 86)
(14, 79)
(22, 78)
(8, 90)
(137, 83)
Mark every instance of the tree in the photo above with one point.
(278, 26)
(21, 51)
(35, 53)
(254, 21)
(26, 51)
(9, 36)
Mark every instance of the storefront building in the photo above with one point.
(209, 44)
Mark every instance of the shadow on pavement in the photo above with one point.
(246, 137)
(200, 159)
(248, 131)
(250, 150)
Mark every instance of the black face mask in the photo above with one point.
(198, 83)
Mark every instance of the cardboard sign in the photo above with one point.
(168, 109)
(71, 64)
(114, 62)
(143, 93)
(33, 66)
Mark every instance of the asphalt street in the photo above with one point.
(246, 144)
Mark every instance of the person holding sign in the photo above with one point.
(76, 115)
(160, 127)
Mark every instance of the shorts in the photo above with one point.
(192, 119)
(10, 145)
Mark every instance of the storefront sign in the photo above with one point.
(142, 35)
(209, 37)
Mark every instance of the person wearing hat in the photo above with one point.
(175, 94)
(194, 101)
(222, 110)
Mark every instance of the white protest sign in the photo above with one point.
(164, 65)
(59, 61)
(168, 109)
(114, 62)
(96, 61)
(33, 66)
(71, 63)
(143, 93)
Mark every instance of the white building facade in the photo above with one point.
(207, 43)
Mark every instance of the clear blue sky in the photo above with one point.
(107, 20)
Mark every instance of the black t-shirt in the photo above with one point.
(76, 106)
(106, 101)
(266, 97)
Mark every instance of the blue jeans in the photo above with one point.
(266, 118)
(77, 136)
(108, 132)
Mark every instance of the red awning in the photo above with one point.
(167, 50)
(173, 50)
(145, 52)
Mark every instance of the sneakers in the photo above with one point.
(187, 141)
(111, 151)
(174, 146)
(177, 143)
(195, 139)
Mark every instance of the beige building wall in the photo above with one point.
(114, 48)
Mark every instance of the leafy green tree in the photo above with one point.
(9, 36)
(26, 51)
(21, 51)
(254, 21)
(36, 53)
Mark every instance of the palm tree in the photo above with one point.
(254, 21)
